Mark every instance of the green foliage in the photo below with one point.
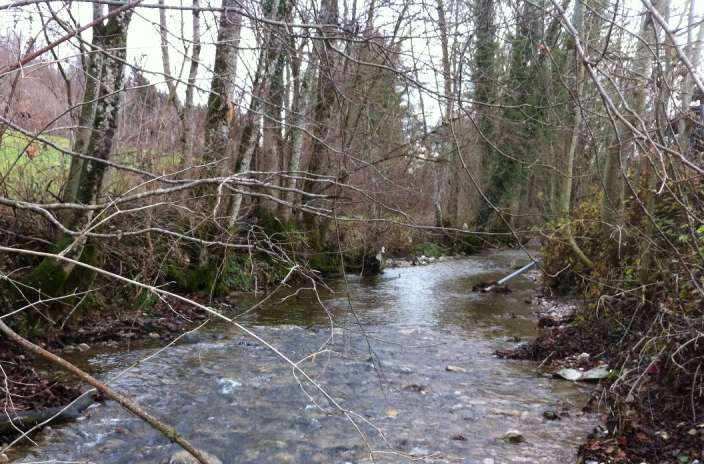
(565, 271)
(31, 176)
(219, 278)
(326, 263)
(431, 250)
(145, 299)
(234, 275)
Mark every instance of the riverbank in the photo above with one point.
(572, 339)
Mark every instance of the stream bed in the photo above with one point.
(407, 365)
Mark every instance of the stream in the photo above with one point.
(408, 368)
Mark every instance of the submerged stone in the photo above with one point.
(514, 437)
(183, 457)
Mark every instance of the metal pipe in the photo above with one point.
(515, 273)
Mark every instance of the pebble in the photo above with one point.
(551, 415)
(284, 458)
(228, 386)
(154, 335)
(488, 461)
(183, 457)
(4, 458)
(513, 436)
(83, 347)
(503, 412)
(111, 444)
(451, 368)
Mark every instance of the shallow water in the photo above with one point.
(384, 364)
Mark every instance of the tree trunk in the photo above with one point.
(648, 178)
(483, 78)
(192, 76)
(300, 105)
(85, 120)
(272, 47)
(694, 51)
(220, 105)
(50, 275)
(325, 100)
(448, 188)
(565, 194)
(623, 148)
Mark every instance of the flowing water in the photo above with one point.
(384, 366)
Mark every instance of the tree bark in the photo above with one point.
(483, 76)
(220, 105)
(300, 105)
(565, 195)
(325, 100)
(624, 145)
(85, 119)
(50, 276)
(272, 47)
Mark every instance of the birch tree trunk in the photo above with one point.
(85, 118)
(50, 275)
(272, 47)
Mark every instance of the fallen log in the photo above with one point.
(27, 419)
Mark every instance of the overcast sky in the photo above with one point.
(144, 43)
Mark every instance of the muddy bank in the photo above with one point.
(631, 431)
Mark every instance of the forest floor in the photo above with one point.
(643, 430)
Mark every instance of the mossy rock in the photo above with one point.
(49, 276)
(325, 263)
(216, 277)
(469, 244)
